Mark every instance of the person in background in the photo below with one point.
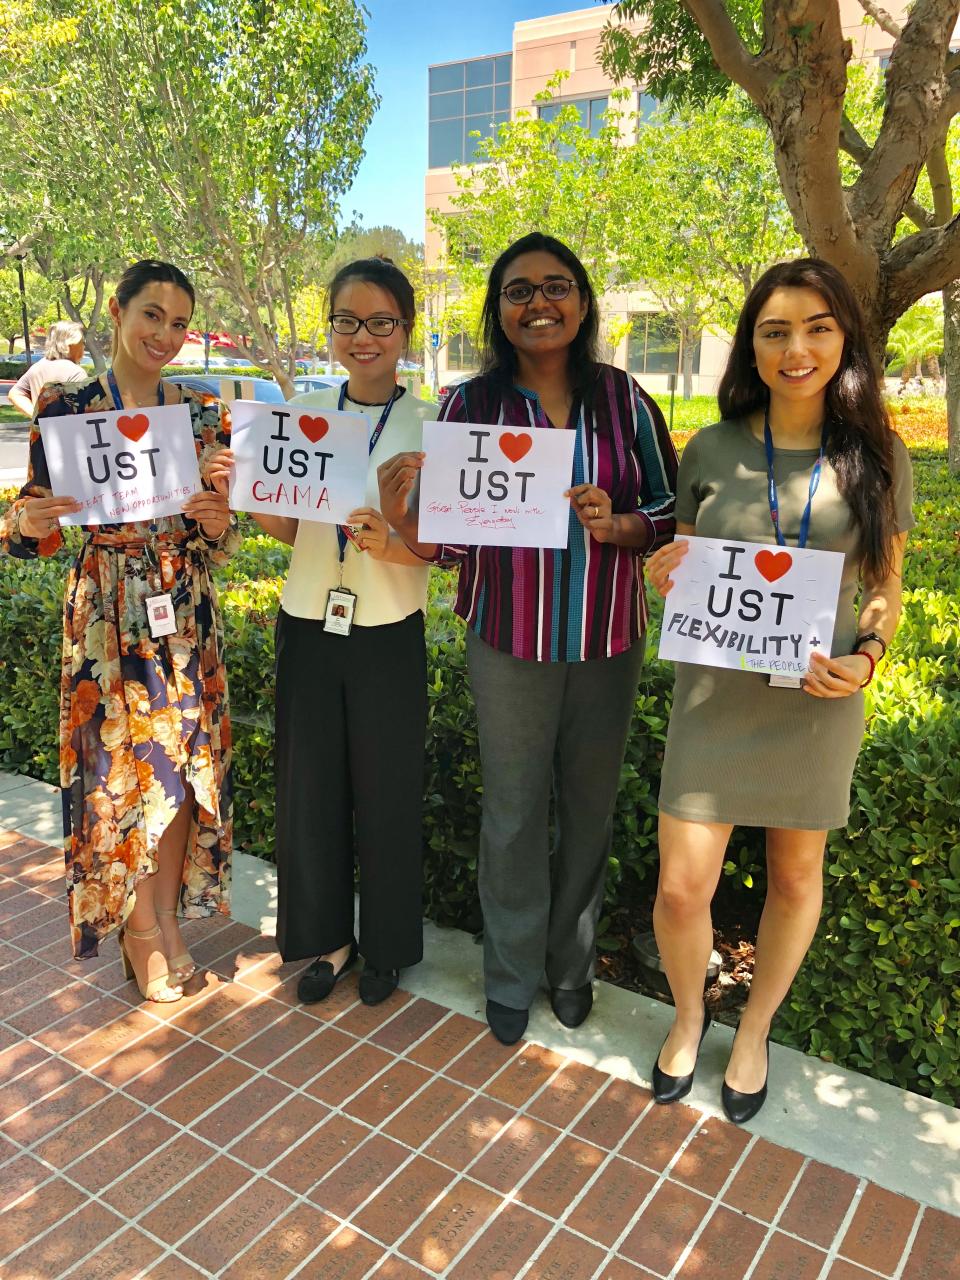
(351, 679)
(804, 455)
(60, 364)
(144, 726)
(555, 638)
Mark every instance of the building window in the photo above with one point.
(653, 346)
(461, 353)
(465, 98)
(590, 110)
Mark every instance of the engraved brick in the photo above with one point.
(231, 1230)
(450, 1225)
(562, 1176)
(172, 1072)
(518, 1148)
(524, 1076)
(501, 1252)
(565, 1257)
(567, 1094)
(314, 1056)
(91, 1016)
(936, 1248)
(314, 1157)
(710, 1156)
(114, 1037)
(725, 1249)
(481, 1061)
(612, 1113)
(878, 1233)
(151, 1181)
(31, 1216)
(611, 1201)
(415, 1123)
(21, 1175)
(785, 1258)
(387, 1093)
(287, 1244)
(113, 1159)
(366, 1169)
(393, 1211)
(265, 1049)
(85, 1132)
(205, 1091)
(664, 1228)
(254, 1017)
(349, 1074)
(182, 1209)
(660, 1134)
(347, 1256)
(408, 1026)
(34, 1083)
(446, 1042)
(469, 1132)
(362, 1019)
(241, 1110)
(764, 1180)
(278, 1132)
(125, 1257)
(37, 1121)
(56, 1252)
(142, 1056)
(819, 1204)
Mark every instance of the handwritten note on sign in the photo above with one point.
(294, 460)
(494, 485)
(751, 607)
(122, 465)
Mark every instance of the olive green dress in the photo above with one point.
(739, 750)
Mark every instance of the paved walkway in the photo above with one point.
(236, 1134)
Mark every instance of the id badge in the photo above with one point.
(785, 682)
(338, 617)
(161, 615)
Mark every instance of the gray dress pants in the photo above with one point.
(563, 724)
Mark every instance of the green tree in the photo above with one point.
(791, 59)
(917, 339)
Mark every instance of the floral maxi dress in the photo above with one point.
(140, 718)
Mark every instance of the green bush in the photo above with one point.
(880, 989)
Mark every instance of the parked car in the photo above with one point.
(262, 389)
(318, 381)
(444, 393)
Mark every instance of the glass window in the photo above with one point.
(461, 353)
(444, 106)
(479, 102)
(443, 79)
(499, 118)
(501, 97)
(597, 107)
(503, 68)
(648, 106)
(653, 346)
(485, 126)
(479, 72)
(446, 143)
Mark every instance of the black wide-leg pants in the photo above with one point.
(350, 725)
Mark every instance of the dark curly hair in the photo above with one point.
(858, 438)
(499, 359)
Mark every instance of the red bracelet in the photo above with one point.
(873, 666)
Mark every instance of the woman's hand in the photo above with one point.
(836, 677)
(594, 510)
(210, 510)
(220, 469)
(39, 517)
(396, 478)
(375, 532)
(661, 563)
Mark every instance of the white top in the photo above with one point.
(385, 592)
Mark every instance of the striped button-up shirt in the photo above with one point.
(585, 600)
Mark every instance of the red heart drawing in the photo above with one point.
(515, 447)
(133, 428)
(773, 564)
(314, 428)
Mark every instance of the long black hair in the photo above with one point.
(149, 271)
(858, 438)
(386, 275)
(499, 359)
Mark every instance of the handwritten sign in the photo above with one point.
(122, 465)
(294, 460)
(751, 607)
(494, 485)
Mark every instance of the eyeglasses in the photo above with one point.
(379, 326)
(553, 290)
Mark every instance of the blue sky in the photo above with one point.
(403, 38)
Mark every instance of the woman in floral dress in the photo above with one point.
(144, 725)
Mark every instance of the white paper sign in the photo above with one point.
(122, 465)
(494, 485)
(750, 606)
(296, 460)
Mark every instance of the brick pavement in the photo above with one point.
(237, 1134)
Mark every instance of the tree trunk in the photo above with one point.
(951, 364)
(688, 338)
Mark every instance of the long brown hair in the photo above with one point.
(858, 438)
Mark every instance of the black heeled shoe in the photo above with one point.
(507, 1024)
(673, 1088)
(741, 1107)
(572, 1005)
(319, 979)
(376, 984)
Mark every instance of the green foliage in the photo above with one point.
(880, 988)
(916, 337)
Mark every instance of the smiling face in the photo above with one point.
(541, 326)
(153, 326)
(363, 354)
(797, 345)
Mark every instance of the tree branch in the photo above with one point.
(883, 19)
(731, 54)
(921, 263)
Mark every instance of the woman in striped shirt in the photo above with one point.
(554, 637)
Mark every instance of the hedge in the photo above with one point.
(880, 989)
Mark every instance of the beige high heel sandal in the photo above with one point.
(157, 989)
(182, 966)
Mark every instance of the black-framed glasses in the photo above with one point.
(522, 291)
(379, 326)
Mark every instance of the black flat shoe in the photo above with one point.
(572, 1004)
(741, 1107)
(507, 1024)
(319, 979)
(376, 984)
(673, 1088)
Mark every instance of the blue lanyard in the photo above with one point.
(374, 437)
(772, 488)
(118, 398)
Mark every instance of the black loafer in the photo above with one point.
(319, 979)
(376, 984)
(741, 1107)
(507, 1024)
(673, 1088)
(572, 1004)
